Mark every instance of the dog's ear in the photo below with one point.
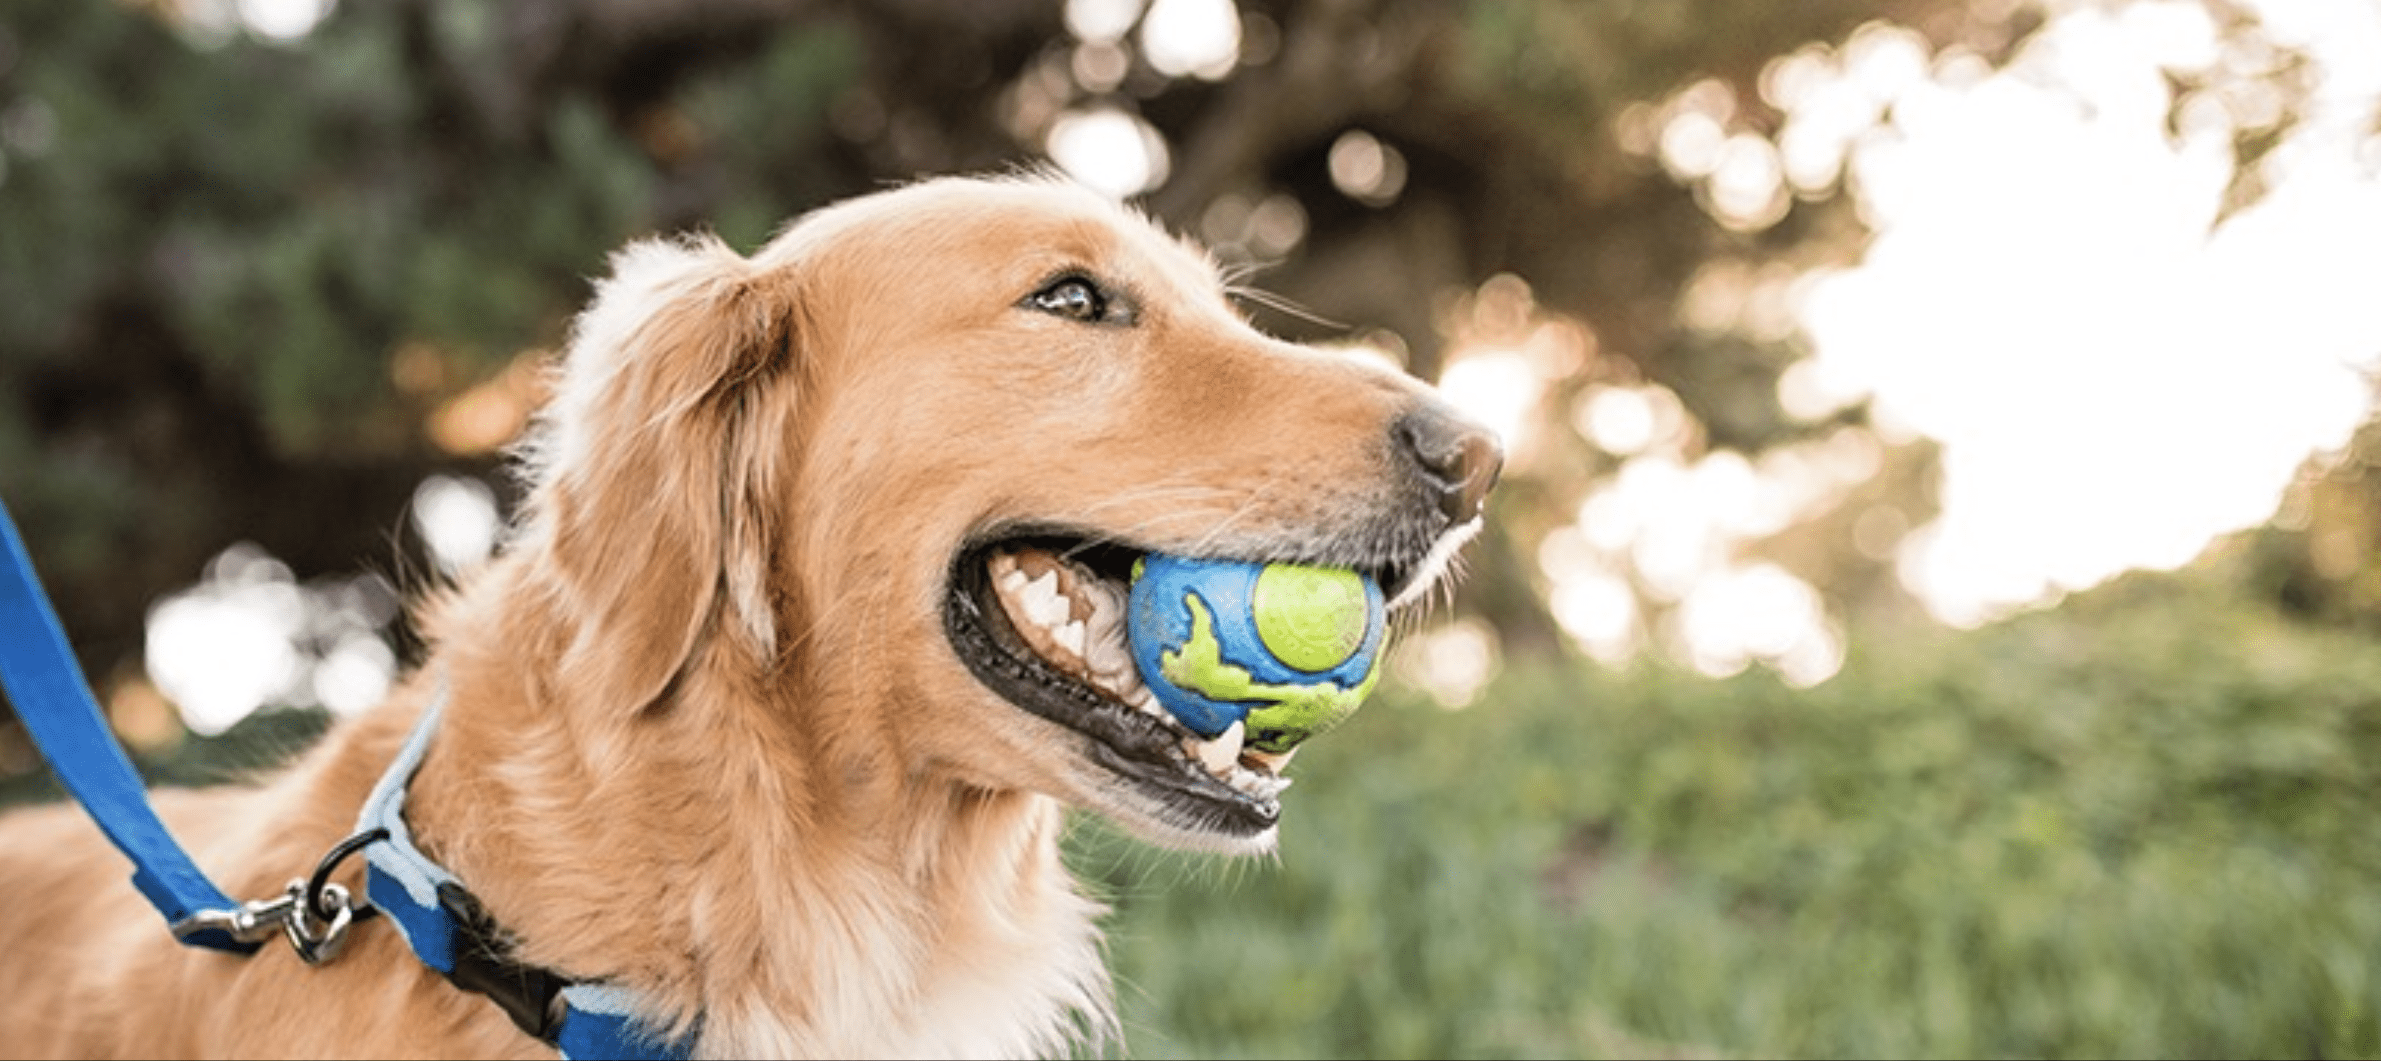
(652, 465)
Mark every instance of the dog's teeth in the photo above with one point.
(1108, 656)
(1107, 601)
(1110, 682)
(1069, 637)
(1139, 698)
(1271, 762)
(1223, 753)
(1007, 577)
(1044, 605)
(1042, 587)
(1250, 783)
(1106, 621)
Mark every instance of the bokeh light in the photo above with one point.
(1196, 38)
(1101, 21)
(283, 20)
(249, 635)
(1498, 388)
(458, 520)
(2159, 379)
(1452, 662)
(485, 417)
(1109, 150)
(1365, 169)
(226, 647)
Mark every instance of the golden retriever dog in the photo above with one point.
(739, 723)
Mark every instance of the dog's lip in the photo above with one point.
(1142, 750)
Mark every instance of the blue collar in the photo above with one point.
(440, 920)
(450, 932)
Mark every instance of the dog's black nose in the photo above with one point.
(1457, 460)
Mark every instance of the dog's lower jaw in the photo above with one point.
(1159, 823)
(1162, 827)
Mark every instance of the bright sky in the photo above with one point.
(2113, 378)
(2112, 384)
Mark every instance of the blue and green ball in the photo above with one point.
(1289, 650)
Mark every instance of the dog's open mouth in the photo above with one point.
(1040, 620)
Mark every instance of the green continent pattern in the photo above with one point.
(1284, 715)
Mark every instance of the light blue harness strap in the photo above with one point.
(400, 880)
(45, 684)
(433, 911)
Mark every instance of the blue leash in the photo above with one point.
(440, 920)
(46, 686)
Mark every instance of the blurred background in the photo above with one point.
(1932, 605)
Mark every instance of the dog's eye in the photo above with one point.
(1073, 298)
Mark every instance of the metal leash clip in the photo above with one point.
(318, 935)
(313, 912)
(316, 927)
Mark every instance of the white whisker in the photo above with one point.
(1442, 552)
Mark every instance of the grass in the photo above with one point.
(2146, 824)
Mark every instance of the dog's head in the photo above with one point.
(807, 476)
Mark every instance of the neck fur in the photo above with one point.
(789, 890)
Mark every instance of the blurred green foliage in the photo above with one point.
(275, 204)
(2139, 826)
(217, 250)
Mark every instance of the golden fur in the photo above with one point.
(707, 738)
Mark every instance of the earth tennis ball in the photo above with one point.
(1287, 649)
